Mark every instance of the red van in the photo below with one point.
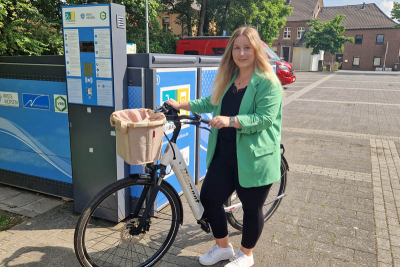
(215, 45)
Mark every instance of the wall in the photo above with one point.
(369, 49)
(288, 42)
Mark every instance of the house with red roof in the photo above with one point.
(376, 40)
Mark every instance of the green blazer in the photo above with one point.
(258, 142)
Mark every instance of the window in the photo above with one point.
(300, 32)
(165, 23)
(287, 33)
(377, 61)
(356, 61)
(380, 38)
(358, 39)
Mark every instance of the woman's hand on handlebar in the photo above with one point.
(174, 103)
(177, 105)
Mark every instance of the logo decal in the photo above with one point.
(9, 99)
(70, 15)
(103, 15)
(36, 101)
(60, 103)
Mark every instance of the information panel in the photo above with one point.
(88, 55)
(178, 84)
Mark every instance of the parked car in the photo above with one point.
(215, 45)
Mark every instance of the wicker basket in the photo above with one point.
(139, 135)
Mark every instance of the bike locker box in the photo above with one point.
(34, 136)
(95, 67)
(153, 78)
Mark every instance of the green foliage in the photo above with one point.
(268, 16)
(24, 31)
(395, 13)
(159, 41)
(327, 36)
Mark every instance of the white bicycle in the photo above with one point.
(148, 224)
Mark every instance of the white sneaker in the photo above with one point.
(217, 254)
(241, 260)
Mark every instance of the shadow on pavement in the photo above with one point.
(41, 256)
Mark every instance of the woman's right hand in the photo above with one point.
(174, 103)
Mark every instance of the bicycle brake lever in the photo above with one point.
(205, 129)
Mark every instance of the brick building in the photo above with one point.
(373, 35)
(303, 12)
(373, 31)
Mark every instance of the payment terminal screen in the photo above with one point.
(87, 46)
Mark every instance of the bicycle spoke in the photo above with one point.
(115, 243)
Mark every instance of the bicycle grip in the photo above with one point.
(206, 121)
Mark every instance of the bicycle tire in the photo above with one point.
(130, 244)
(235, 217)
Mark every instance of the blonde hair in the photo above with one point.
(227, 67)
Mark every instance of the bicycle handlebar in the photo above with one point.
(171, 114)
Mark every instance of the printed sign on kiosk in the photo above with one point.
(88, 54)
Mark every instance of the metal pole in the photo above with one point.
(147, 27)
(384, 62)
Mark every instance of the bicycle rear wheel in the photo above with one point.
(235, 217)
(104, 236)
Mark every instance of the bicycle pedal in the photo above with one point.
(204, 226)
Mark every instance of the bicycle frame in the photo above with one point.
(184, 177)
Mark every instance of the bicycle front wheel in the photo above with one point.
(105, 236)
(235, 217)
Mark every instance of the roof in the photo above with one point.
(302, 9)
(358, 17)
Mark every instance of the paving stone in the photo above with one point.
(333, 251)
(356, 243)
(21, 199)
(8, 192)
(384, 256)
(383, 243)
(396, 252)
(292, 241)
(366, 259)
(342, 263)
(336, 229)
(273, 262)
(305, 258)
(43, 205)
(382, 233)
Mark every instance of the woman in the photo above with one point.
(244, 146)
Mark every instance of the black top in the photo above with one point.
(230, 107)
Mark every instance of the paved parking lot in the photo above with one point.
(341, 132)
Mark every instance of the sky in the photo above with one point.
(385, 5)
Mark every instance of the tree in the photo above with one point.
(203, 9)
(160, 41)
(395, 13)
(327, 36)
(186, 15)
(268, 16)
(24, 31)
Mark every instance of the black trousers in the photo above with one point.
(220, 182)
